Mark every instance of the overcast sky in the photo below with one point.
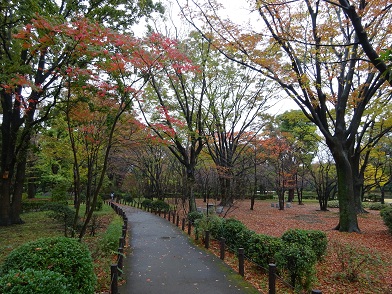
(237, 11)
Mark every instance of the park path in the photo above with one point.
(161, 259)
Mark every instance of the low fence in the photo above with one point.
(174, 217)
(116, 269)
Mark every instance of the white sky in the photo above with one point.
(237, 11)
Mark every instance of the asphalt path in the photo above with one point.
(162, 259)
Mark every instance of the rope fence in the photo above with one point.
(174, 217)
(116, 269)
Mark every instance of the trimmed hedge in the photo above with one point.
(295, 253)
(316, 240)
(386, 214)
(194, 215)
(33, 281)
(62, 255)
(262, 248)
(146, 203)
(160, 205)
(236, 234)
(297, 261)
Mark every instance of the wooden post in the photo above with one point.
(168, 216)
(124, 233)
(120, 260)
(183, 224)
(241, 260)
(207, 239)
(121, 242)
(272, 278)
(174, 217)
(113, 279)
(189, 227)
(222, 248)
(178, 220)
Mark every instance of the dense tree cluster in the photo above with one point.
(89, 109)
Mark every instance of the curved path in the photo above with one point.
(163, 260)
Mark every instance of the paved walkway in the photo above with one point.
(162, 260)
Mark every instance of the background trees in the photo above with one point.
(318, 63)
(207, 92)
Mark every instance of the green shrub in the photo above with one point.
(99, 204)
(356, 261)
(216, 225)
(333, 204)
(109, 240)
(263, 248)
(62, 255)
(194, 215)
(212, 223)
(33, 281)
(297, 263)
(29, 205)
(386, 214)
(62, 213)
(160, 205)
(316, 240)
(59, 193)
(146, 203)
(128, 198)
(376, 206)
(236, 234)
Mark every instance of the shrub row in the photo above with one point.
(156, 205)
(109, 240)
(295, 252)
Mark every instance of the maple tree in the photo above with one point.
(178, 90)
(279, 156)
(99, 96)
(318, 62)
(149, 159)
(33, 65)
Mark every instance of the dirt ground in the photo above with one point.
(374, 240)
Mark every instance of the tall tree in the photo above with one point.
(237, 98)
(179, 91)
(310, 50)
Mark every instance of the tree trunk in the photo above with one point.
(358, 181)
(13, 162)
(348, 221)
(190, 182)
(5, 202)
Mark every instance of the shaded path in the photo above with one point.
(162, 260)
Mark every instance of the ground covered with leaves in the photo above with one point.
(355, 263)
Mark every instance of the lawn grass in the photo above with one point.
(39, 225)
